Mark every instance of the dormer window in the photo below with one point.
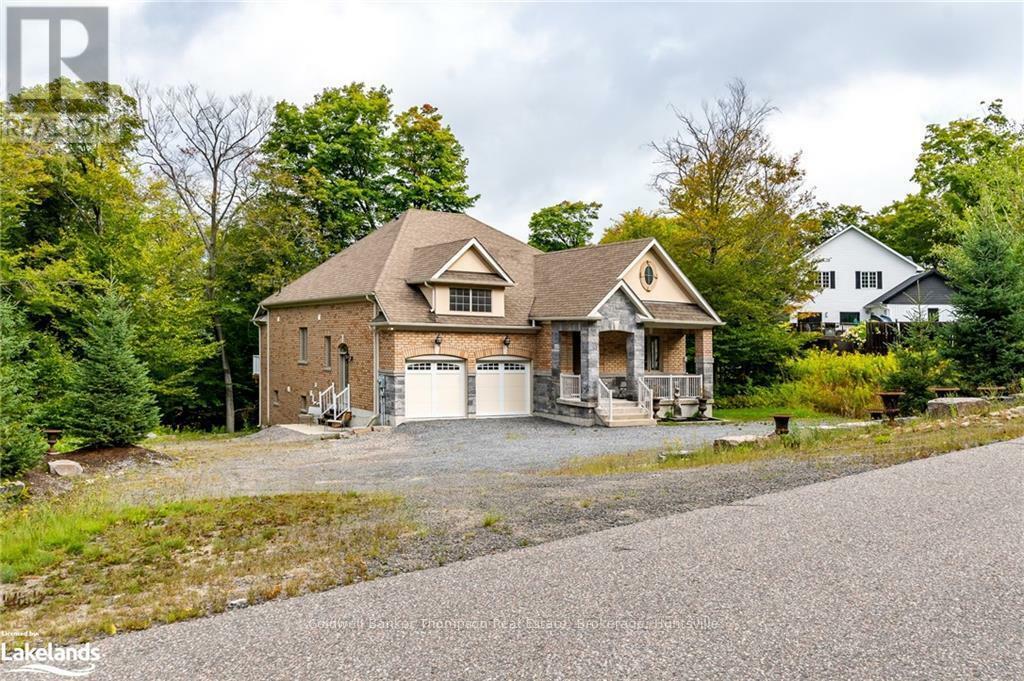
(469, 299)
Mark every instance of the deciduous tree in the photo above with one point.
(568, 224)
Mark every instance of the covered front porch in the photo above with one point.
(620, 370)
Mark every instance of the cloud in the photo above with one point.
(559, 101)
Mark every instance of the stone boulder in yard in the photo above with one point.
(737, 440)
(65, 469)
(957, 406)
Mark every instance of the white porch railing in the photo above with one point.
(569, 386)
(605, 397)
(645, 398)
(664, 386)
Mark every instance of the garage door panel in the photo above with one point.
(435, 389)
(503, 388)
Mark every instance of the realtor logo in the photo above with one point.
(44, 44)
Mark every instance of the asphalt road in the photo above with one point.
(915, 571)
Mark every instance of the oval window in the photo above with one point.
(648, 275)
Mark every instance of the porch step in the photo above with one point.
(625, 414)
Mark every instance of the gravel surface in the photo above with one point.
(913, 571)
(416, 454)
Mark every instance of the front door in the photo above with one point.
(343, 358)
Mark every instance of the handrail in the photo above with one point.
(601, 390)
(645, 397)
(345, 396)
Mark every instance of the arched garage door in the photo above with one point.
(435, 389)
(502, 388)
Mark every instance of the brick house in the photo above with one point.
(437, 315)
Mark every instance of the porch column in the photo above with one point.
(590, 362)
(556, 351)
(703, 360)
(634, 357)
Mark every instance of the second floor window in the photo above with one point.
(869, 280)
(469, 300)
(826, 280)
(303, 344)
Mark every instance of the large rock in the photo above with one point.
(737, 440)
(957, 406)
(65, 468)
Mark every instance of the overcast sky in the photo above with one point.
(559, 101)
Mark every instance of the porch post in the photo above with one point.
(634, 357)
(704, 361)
(556, 351)
(590, 362)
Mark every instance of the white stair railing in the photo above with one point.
(604, 394)
(343, 401)
(645, 397)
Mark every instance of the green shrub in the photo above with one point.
(919, 365)
(844, 384)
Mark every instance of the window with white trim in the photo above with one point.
(469, 299)
(869, 280)
(826, 279)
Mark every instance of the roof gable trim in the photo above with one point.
(674, 268)
(645, 314)
(479, 248)
(869, 238)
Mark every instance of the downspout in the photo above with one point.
(265, 379)
(376, 359)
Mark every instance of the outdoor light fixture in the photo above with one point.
(437, 340)
(506, 341)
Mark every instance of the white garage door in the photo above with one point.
(502, 388)
(435, 389)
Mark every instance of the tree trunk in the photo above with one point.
(229, 388)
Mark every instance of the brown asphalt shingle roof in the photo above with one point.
(382, 263)
(561, 285)
(679, 312)
(569, 284)
(429, 259)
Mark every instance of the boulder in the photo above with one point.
(957, 406)
(737, 440)
(65, 468)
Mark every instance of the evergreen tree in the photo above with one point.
(21, 442)
(987, 272)
(111, 399)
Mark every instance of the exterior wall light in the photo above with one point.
(506, 341)
(437, 340)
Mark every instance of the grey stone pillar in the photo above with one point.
(556, 351)
(634, 358)
(590, 362)
(704, 361)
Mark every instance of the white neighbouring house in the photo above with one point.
(860, 278)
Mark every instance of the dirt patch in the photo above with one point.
(278, 434)
(108, 457)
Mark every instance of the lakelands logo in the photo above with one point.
(69, 662)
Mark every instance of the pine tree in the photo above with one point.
(111, 399)
(21, 443)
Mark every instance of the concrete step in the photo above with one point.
(625, 423)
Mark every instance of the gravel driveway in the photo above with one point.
(417, 453)
(909, 572)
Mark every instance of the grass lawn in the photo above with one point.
(83, 565)
(882, 444)
(766, 413)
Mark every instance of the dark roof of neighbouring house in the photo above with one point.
(570, 284)
(924, 288)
